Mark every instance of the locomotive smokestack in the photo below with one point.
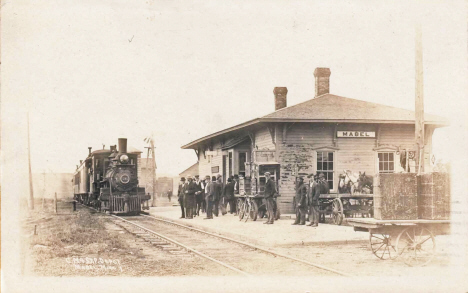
(122, 145)
(90, 148)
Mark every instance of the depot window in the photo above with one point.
(325, 166)
(386, 162)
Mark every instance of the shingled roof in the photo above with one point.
(332, 108)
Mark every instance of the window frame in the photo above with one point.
(332, 171)
(388, 171)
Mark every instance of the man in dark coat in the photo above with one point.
(218, 185)
(180, 195)
(209, 197)
(229, 193)
(169, 195)
(199, 194)
(270, 191)
(190, 190)
(233, 202)
(301, 202)
(319, 187)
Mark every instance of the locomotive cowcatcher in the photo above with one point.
(108, 180)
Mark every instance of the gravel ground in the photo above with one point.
(90, 245)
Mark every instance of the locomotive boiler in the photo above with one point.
(108, 180)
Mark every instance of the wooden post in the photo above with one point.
(419, 101)
(55, 202)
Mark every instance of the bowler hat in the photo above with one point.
(182, 179)
(267, 173)
(321, 175)
(310, 175)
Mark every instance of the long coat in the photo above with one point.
(301, 195)
(190, 190)
(218, 187)
(320, 187)
(210, 191)
(270, 188)
(229, 191)
(181, 192)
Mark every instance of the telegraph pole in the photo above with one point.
(419, 101)
(31, 193)
(151, 150)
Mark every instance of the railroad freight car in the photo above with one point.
(107, 180)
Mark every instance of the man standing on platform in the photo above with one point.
(199, 195)
(233, 203)
(319, 187)
(180, 195)
(270, 191)
(190, 190)
(229, 194)
(301, 202)
(209, 197)
(218, 204)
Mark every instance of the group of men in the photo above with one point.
(307, 199)
(209, 195)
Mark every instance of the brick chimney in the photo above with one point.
(322, 81)
(280, 97)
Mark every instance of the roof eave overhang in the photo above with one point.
(276, 120)
(213, 135)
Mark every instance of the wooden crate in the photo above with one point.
(396, 196)
(434, 196)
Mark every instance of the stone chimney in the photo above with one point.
(322, 81)
(280, 97)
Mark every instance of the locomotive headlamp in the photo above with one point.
(124, 159)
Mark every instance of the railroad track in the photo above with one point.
(242, 257)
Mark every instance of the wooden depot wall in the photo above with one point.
(296, 145)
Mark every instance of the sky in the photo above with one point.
(89, 72)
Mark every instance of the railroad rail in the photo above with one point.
(311, 264)
(231, 251)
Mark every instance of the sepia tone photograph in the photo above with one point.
(226, 146)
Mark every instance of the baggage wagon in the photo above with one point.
(345, 205)
(412, 240)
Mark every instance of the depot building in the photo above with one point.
(326, 134)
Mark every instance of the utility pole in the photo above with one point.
(419, 101)
(31, 193)
(153, 167)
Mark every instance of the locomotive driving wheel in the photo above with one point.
(337, 211)
(416, 245)
(381, 246)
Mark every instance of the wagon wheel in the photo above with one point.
(416, 245)
(240, 208)
(254, 211)
(337, 211)
(382, 247)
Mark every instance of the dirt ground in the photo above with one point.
(85, 244)
(89, 244)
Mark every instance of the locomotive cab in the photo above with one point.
(111, 181)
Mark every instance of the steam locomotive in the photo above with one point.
(108, 180)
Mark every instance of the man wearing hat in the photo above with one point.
(199, 195)
(318, 187)
(301, 202)
(190, 190)
(270, 190)
(209, 197)
(180, 195)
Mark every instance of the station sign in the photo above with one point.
(356, 134)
